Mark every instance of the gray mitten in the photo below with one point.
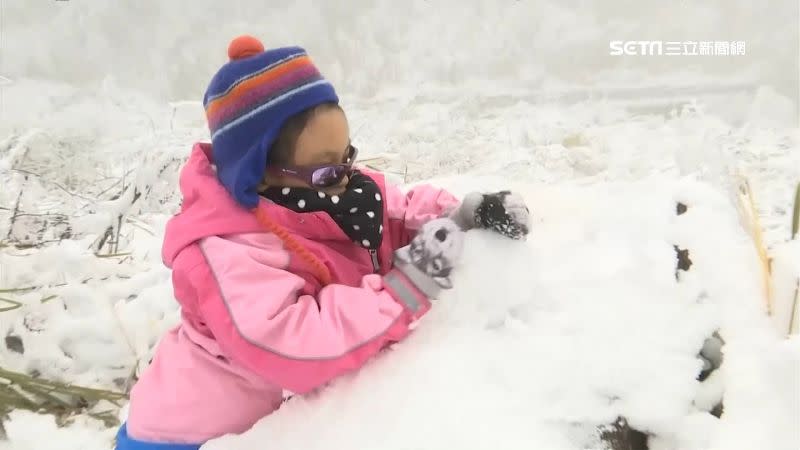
(431, 256)
(502, 212)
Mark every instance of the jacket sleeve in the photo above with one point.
(257, 313)
(419, 205)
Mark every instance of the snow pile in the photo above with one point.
(540, 343)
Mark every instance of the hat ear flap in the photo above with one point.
(265, 146)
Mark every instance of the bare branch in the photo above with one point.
(28, 172)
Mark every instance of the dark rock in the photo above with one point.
(717, 411)
(120, 383)
(711, 354)
(14, 343)
(684, 262)
(681, 208)
(620, 436)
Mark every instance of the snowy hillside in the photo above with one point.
(539, 343)
(369, 47)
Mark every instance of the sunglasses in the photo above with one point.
(320, 176)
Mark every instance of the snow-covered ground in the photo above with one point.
(539, 342)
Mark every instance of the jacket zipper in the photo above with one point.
(376, 265)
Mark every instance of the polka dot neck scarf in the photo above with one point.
(358, 211)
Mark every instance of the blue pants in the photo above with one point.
(126, 443)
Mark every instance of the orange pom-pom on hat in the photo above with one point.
(244, 46)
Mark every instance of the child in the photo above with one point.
(291, 266)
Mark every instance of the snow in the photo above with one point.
(785, 266)
(539, 342)
(27, 430)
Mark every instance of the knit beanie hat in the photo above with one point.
(248, 101)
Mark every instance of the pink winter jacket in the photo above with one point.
(255, 320)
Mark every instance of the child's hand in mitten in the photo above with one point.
(432, 253)
(502, 212)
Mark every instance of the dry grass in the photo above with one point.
(64, 401)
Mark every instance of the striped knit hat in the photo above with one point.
(247, 103)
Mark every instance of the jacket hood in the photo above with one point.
(208, 209)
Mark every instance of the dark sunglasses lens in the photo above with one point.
(328, 176)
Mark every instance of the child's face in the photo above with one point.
(325, 140)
